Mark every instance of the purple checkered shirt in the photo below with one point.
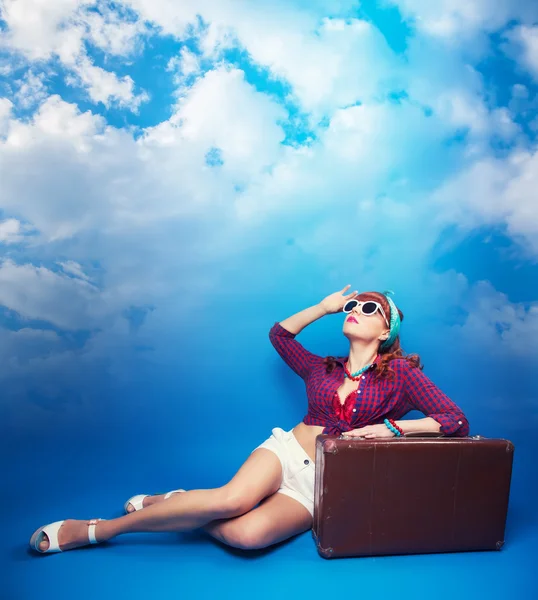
(374, 400)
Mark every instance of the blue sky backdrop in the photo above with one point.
(177, 176)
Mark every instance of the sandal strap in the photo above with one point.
(91, 530)
(137, 502)
(51, 531)
(172, 492)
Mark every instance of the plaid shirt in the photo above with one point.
(373, 401)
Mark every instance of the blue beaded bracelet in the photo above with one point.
(393, 429)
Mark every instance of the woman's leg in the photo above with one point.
(259, 477)
(278, 517)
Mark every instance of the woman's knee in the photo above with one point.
(250, 536)
(233, 503)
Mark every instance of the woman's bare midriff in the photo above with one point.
(306, 436)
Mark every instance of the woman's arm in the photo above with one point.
(282, 336)
(426, 397)
(382, 431)
(296, 323)
(425, 424)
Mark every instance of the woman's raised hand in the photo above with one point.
(334, 303)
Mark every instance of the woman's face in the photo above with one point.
(365, 327)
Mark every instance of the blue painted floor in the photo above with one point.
(85, 480)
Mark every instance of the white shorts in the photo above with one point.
(298, 469)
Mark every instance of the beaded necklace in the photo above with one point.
(355, 376)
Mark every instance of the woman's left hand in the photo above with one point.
(370, 432)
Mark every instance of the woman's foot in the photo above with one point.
(148, 501)
(72, 534)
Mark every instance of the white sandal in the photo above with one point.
(136, 501)
(51, 531)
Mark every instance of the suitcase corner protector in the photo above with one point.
(325, 552)
(329, 446)
(499, 544)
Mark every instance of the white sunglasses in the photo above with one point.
(367, 308)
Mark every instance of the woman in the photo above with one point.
(270, 498)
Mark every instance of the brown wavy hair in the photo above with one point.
(383, 368)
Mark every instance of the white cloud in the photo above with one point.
(523, 47)
(19, 348)
(329, 66)
(52, 168)
(72, 267)
(463, 111)
(223, 111)
(31, 90)
(437, 78)
(62, 28)
(12, 231)
(495, 324)
(56, 121)
(456, 20)
(105, 86)
(467, 113)
(39, 293)
(6, 106)
(351, 162)
(113, 33)
(494, 191)
(37, 28)
(94, 176)
(41, 29)
(326, 61)
(150, 211)
(186, 64)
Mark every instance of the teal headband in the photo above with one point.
(394, 321)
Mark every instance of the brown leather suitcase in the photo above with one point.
(416, 494)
